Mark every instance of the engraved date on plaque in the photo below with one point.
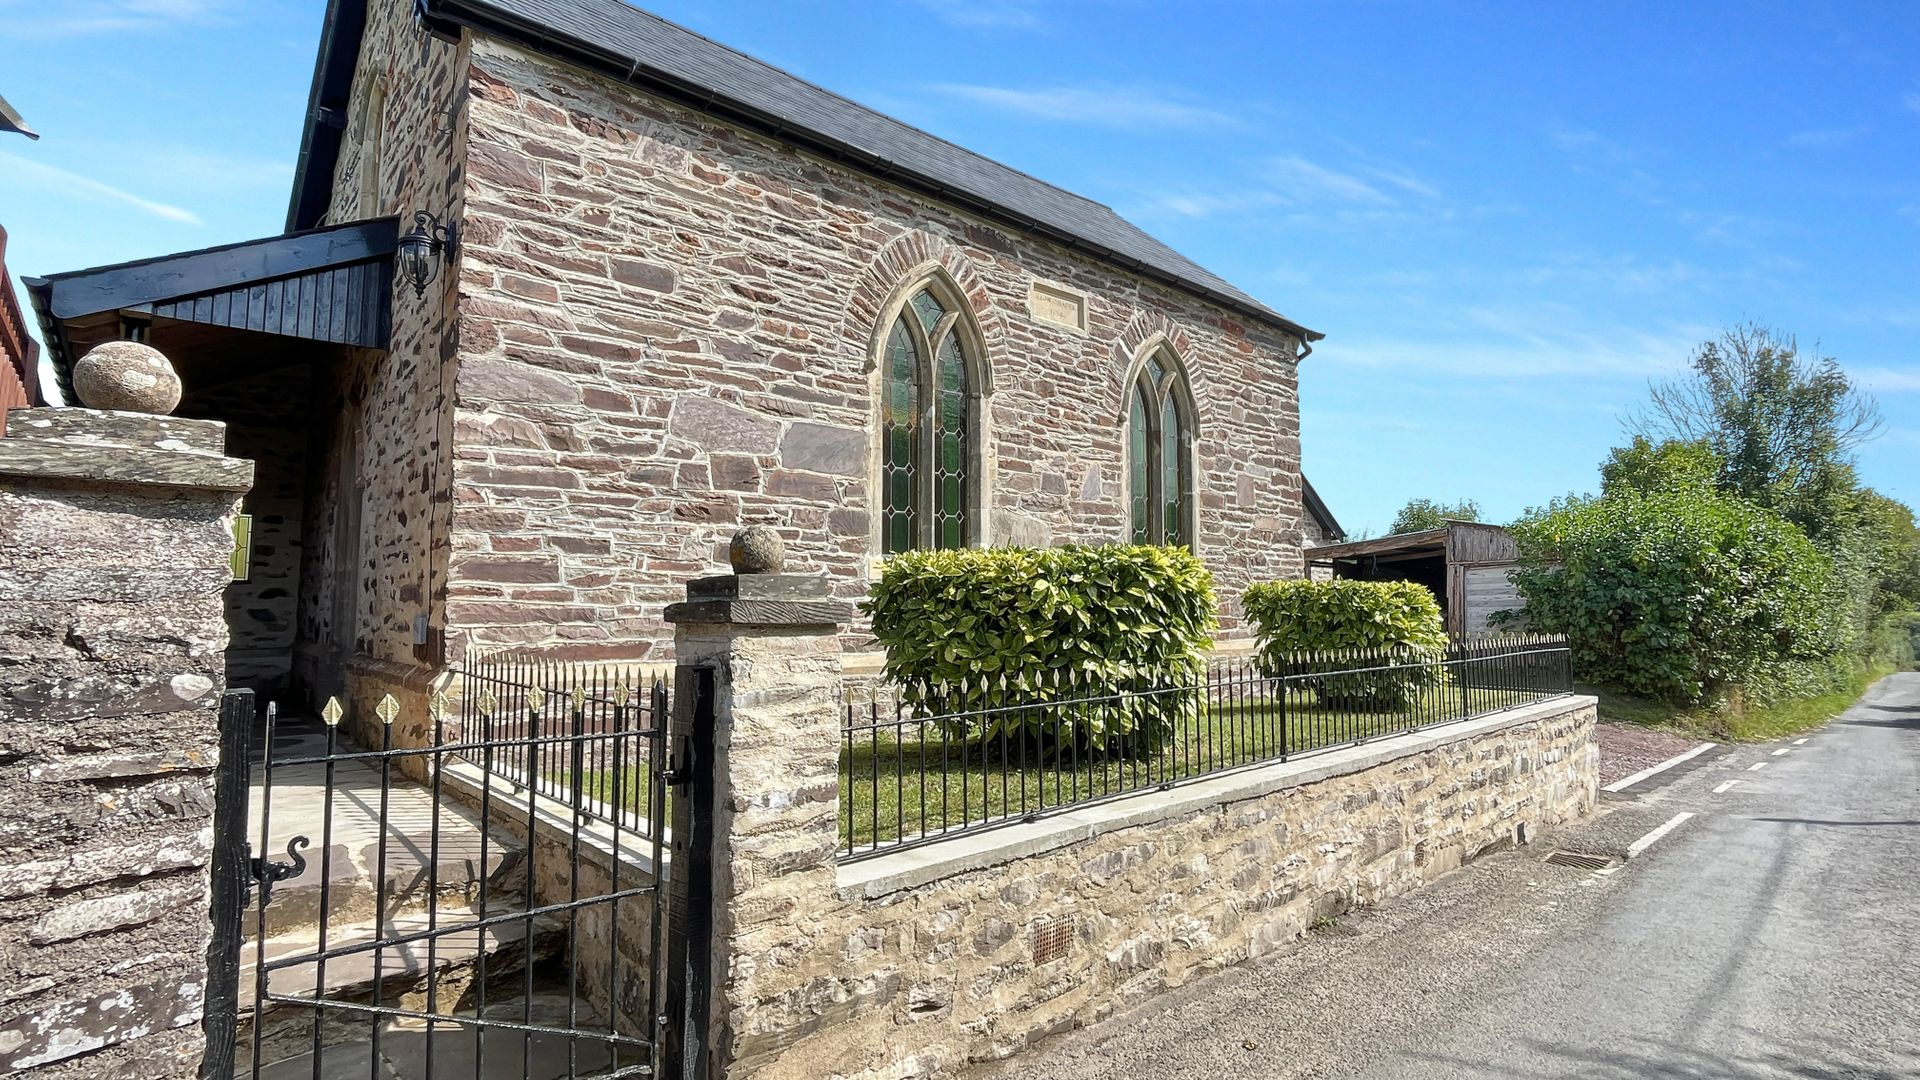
(1061, 307)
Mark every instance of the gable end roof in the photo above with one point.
(629, 45)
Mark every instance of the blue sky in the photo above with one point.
(1506, 218)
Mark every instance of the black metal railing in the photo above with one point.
(914, 769)
(561, 728)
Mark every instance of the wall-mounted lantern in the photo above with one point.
(423, 250)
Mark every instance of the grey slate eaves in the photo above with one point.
(627, 43)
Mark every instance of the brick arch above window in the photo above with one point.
(1146, 334)
(904, 266)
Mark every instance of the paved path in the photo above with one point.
(1775, 933)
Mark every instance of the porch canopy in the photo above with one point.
(331, 285)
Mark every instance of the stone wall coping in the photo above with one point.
(114, 465)
(506, 800)
(128, 430)
(830, 614)
(874, 878)
(120, 448)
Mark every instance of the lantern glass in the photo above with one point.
(420, 251)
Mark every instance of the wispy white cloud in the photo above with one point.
(1095, 104)
(1911, 99)
(1887, 380)
(1211, 202)
(1515, 345)
(49, 176)
(1312, 193)
(1305, 181)
(1584, 142)
(1405, 181)
(190, 169)
(1829, 138)
(1911, 212)
(1621, 273)
(83, 18)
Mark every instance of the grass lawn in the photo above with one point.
(892, 788)
(1757, 724)
(902, 788)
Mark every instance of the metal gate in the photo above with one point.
(474, 891)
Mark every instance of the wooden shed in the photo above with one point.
(1465, 563)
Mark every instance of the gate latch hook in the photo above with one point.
(266, 873)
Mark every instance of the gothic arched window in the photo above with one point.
(1159, 454)
(929, 424)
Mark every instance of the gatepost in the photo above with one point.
(756, 772)
(116, 540)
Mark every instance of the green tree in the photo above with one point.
(1783, 425)
(1420, 515)
(1649, 467)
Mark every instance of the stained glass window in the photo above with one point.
(1159, 465)
(899, 435)
(926, 430)
(1138, 466)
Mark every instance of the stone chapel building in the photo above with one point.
(664, 290)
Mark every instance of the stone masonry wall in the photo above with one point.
(112, 638)
(403, 151)
(922, 981)
(267, 425)
(666, 329)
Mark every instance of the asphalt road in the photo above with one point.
(1775, 933)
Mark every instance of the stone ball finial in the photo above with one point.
(127, 376)
(757, 549)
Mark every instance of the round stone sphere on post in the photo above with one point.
(127, 376)
(757, 549)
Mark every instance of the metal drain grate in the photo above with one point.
(1052, 940)
(1581, 860)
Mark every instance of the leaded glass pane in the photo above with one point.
(1171, 495)
(928, 309)
(950, 447)
(1156, 372)
(1138, 468)
(900, 403)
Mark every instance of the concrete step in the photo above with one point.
(448, 964)
(458, 1051)
(431, 847)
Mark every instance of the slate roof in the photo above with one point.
(671, 61)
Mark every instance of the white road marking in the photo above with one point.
(1622, 785)
(1723, 788)
(1783, 750)
(1756, 766)
(1653, 837)
(1799, 742)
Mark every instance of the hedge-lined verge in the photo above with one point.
(1304, 625)
(1685, 596)
(1004, 628)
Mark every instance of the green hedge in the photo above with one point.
(1683, 595)
(981, 628)
(1308, 624)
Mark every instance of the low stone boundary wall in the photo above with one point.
(970, 950)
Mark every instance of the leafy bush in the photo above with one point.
(1307, 624)
(1681, 595)
(987, 628)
